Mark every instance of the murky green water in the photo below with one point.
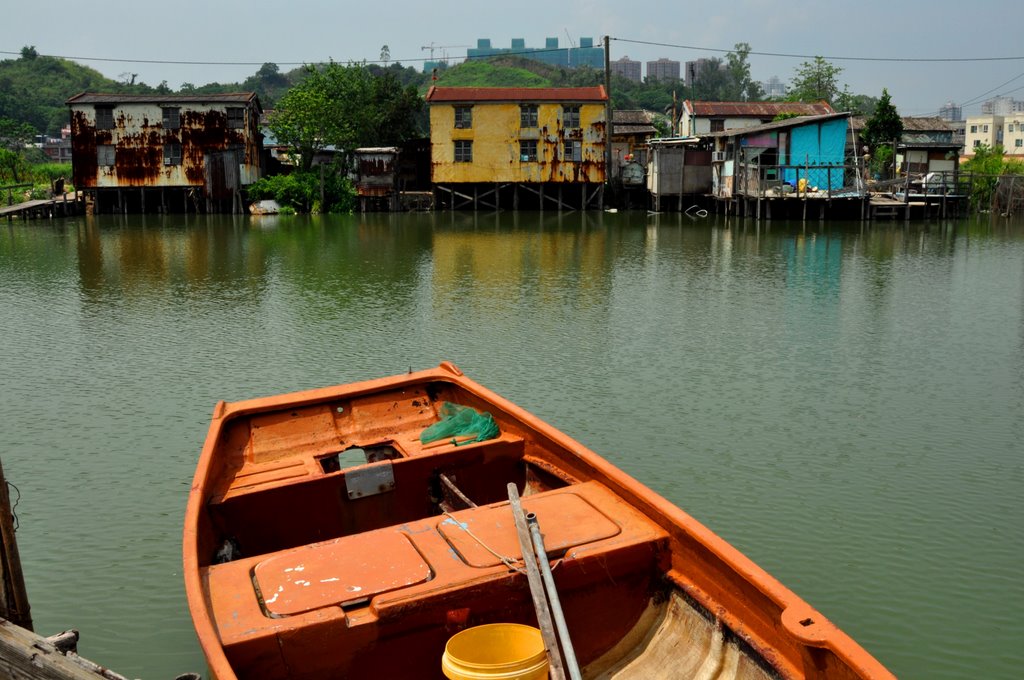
(845, 404)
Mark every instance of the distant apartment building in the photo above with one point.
(1013, 135)
(627, 68)
(774, 88)
(571, 57)
(950, 112)
(665, 70)
(986, 129)
(1002, 106)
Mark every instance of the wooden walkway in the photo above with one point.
(70, 203)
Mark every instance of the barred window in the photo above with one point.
(570, 117)
(463, 117)
(463, 151)
(172, 154)
(527, 150)
(104, 117)
(236, 117)
(172, 118)
(527, 115)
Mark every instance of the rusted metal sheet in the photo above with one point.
(377, 171)
(164, 141)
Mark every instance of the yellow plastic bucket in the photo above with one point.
(509, 651)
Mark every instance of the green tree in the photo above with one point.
(884, 126)
(15, 140)
(344, 107)
(814, 81)
(742, 87)
(986, 166)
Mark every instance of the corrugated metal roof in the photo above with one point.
(758, 109)
(777, 125)
(98, 98)
(910, 124)
(516, 94)
(633, 122)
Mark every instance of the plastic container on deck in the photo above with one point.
(496, 651)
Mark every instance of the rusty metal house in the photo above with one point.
(165, 153)
(523, 148)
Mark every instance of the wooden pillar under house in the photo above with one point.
(13, 597)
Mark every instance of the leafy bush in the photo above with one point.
(300, 191)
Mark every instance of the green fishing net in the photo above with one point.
(460, 422)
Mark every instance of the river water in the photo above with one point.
(842, 402)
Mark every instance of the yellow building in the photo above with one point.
(518, 147)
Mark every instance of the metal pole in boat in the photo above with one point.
(537, 592)
(556, 606)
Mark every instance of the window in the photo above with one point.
(463, 151)
(984, 128)
(977, 143)
(464, 117)
(1018, 142)
(1009, 127)
(974, 129)
(172, 154)
(105, 118)
(527, 115)
(717, 124)
(172, 118)
(572, 150)
(105, 155)
(527, 150)
(570, 117)
(236, 117)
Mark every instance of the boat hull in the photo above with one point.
(324, 538)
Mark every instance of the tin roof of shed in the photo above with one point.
(776, 125)
(758, 109)
(516, 94)
(100, 98)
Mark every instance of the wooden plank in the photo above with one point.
(27, 656)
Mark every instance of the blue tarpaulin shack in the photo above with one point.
(750, 161)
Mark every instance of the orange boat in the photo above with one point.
(326, 537)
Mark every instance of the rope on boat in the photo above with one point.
(507, 561)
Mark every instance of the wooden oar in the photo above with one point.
(537, 590)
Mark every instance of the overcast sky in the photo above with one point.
(101, 32)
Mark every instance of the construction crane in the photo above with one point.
(444, 50)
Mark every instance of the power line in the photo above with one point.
(814, 56)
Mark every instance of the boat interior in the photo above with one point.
(334, 543)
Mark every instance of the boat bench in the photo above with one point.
(253, 513)
(414, 576)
